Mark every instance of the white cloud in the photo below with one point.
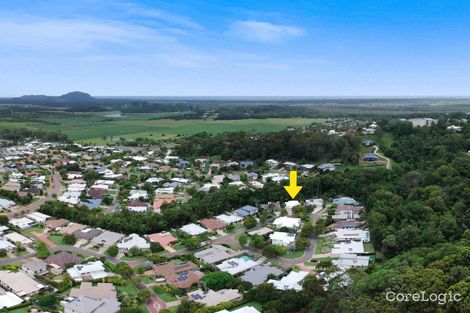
(264, 31)
(68, 34)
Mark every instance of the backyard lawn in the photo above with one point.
(293, 254)
(57, 239)
(128, 288)
(163, 294)
(257, 305)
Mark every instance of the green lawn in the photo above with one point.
(134, 258)
(147, 279)
(310, 263)
(128, 288)
(24, 309)
(178, 246)
(57, 239)
(93, 127)
(37, 229)
(21, 253)
(368, 247)
(162, 294)
(293, 254)
(319, 246)
(257, 305)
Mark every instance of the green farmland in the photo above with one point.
(90, 128)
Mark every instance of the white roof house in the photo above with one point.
(282, 239)
(352, 234)
(5, 204)
(154, 180)
(94, 269)
(292, 281)
(76, 187)
(6, 245)
(165, 191)
(20, 283)
(211, 297)
(8, 299)
(317, 203)
(272, 163)
(180, 180)
(291, 204)
(70, 197)
(193, 229)
(347, 261)
(137, 194)
(14, 237)
(133, 240)
(275, 177)
(244, 309)
(347, 247)
(38, 217)
(285, 221)
(21, 223)
(229, 219)
(237, 265)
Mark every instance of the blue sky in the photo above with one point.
(235, 48)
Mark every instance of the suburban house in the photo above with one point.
(215, 254)
(8, 299)
(181, 275)
(287, 222)
(88, 271)
(100, 291)
(259, 274)
(352, 234)
(347, 261)
(89, 305)
(237, 265)
(243, 309)
(133, 240)
(246, 210)
(165, 239)
(292, 281)
(35, 268)
(59, 262)
(348, 247)
(193, 229)
(107, 238)
(229, 219)
(211, 298)
(370, 157)
(20, 283)
(212, 223)
(283, 239)
(137, 206)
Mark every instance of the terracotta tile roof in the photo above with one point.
(164, 239)
(212, 223)
(56, 223)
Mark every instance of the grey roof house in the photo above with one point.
(259, 274)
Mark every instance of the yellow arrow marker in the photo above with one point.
(293, 189)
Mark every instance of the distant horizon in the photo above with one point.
(260, 97)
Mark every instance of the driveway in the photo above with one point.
(388, 165)
(154, 304)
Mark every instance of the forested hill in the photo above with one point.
(297, 145)
(419, 217)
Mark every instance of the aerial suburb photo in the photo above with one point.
(235, 156)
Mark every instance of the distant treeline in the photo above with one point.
(307, 145)
(23, 133)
